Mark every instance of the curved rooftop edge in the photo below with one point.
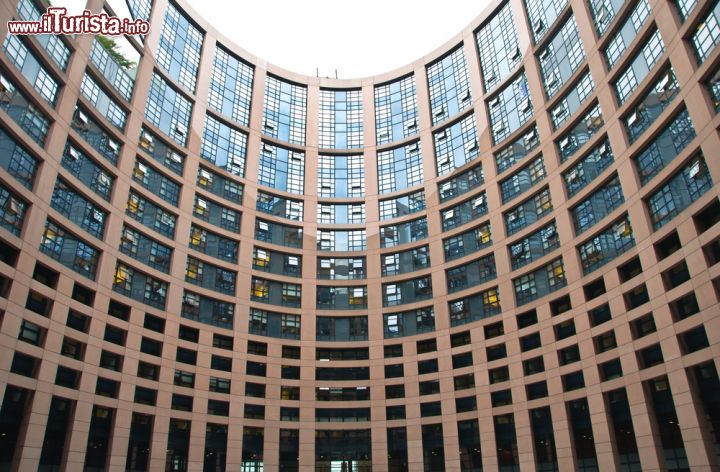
(502, 256)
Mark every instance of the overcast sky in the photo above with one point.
(358, 38)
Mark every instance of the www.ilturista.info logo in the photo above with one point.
(57, 21)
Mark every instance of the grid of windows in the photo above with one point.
(449, 86)
(409, 323)
(140, 286)
(145, 249)
(116, 74)
(275, 325)
(685, 7)
(31, 69)
(12, 211)
(179, 48)
(168, 110)
(707, 34)
(213, 244)
(561, 57)
(150, 215)
(510, 109)
(528, 212)
(341, 176)
(639, 68)
(279, 206)
(285, 110)
(400, 168)
(471, 274)
(340, 214)
(405, 261)
(651, 105)
(713, 86)
(581, 133)
(606, 245)
(231, 86)
(468, 242)
(598, 205)
(534, 246)
(456, 145)
(523, 180)
(673, 138)
(572, 101)
(95, 135)
(401, 206)
(588, 168)
(210, 276)
(407, 291)
(17, 161)
(684, 188)
(282, 169)
(69, 250)
(461, 183)
(78, 209)
(216, 214)
(396, 110)
(103, 103)
(156, 182)
(499, 48)
(603, 12)
(220, 185)
(341, 241)
(402, 233)
(517, 150)
(95, 177)
(469, 260)
(140, 8)
(35, 123)
(224, 146)
(542, 15)
(540, 282)
(627, 32)
(464, 212)
(53, 44)
(341, 120)
(209, 311)
(474, 307)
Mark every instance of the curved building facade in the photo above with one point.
(502, 256)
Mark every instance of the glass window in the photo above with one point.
(510, 109)
(683, 188)
(449, 86)
(168, 110)
(224, 146)
(284, 111)
(626, 35)
(179, 48)
(707, 34)
(456, 145)
(561, 57)
(231, 86)
(31, 68)
(400, 168)
(499, 48)
(341, 120)
(396, 110)
(639, 67)
(341, 176)
(282, 169)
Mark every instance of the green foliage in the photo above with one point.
(112, 48)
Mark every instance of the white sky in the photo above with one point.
(358, 38)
